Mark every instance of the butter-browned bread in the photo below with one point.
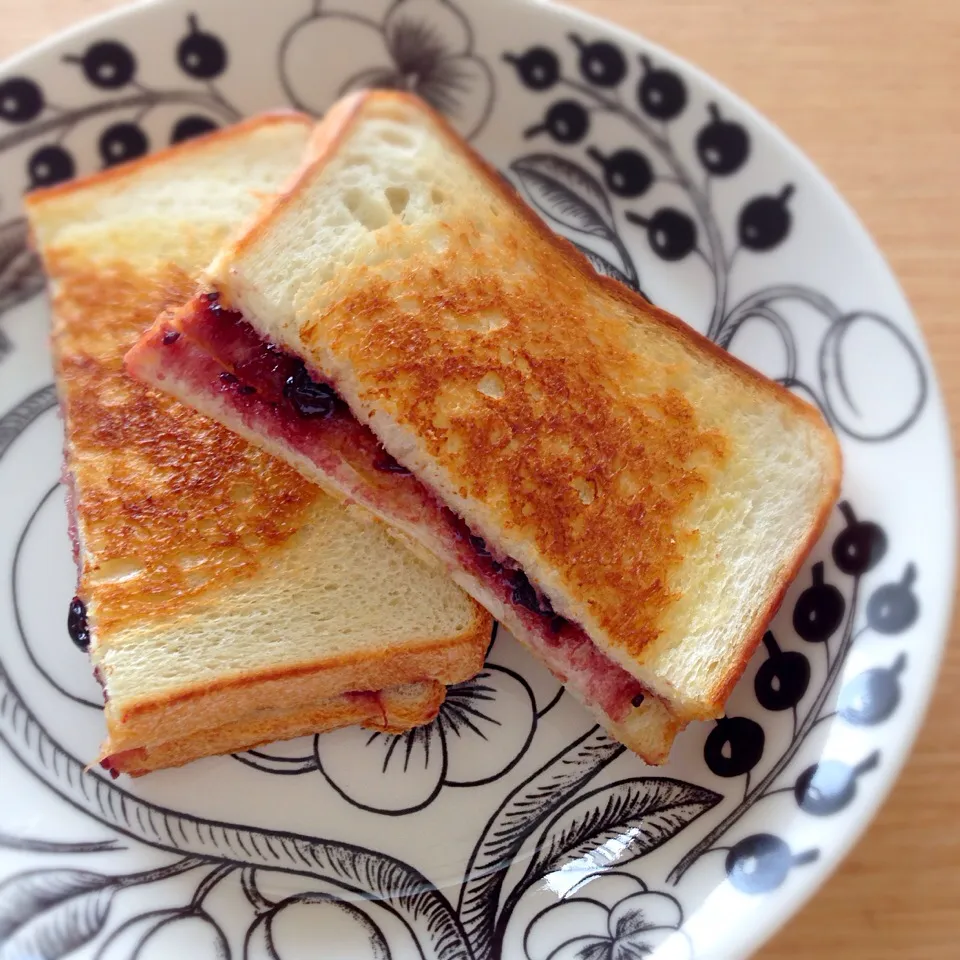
(226, 599)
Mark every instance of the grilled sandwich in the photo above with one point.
(226, 601)
(628, 499)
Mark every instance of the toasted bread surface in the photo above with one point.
(658, 491)
(217, 580)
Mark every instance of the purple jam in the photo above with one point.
(77, 625)
(309, 398)
(527, 596)
(212, 303)
(110, 768)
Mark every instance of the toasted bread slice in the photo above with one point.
(393, 711)
(216, 581)
(652, 489)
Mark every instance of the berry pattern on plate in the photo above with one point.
(567, 194)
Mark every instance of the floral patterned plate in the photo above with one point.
(511, 826)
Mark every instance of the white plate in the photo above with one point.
(510, 827)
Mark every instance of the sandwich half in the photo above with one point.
(627, 498)
(225, 600)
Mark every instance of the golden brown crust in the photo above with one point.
(521, 452)
(328, 136)
(159, 484)
(519, 448)
(159, 487)
(577, 453)
(177, 714)
(562, 429)
(173, 509)
(401, 712)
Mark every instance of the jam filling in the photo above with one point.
(77, 625)
(258, 367)
(283, 396)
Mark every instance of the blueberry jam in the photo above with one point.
(212, 302)
(386, 464)
(512, 580)
(566, 646)
(77, 625)
(260, 367)
(309, 398)
(480, 545)
(525, 594)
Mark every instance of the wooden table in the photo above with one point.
(868, 88)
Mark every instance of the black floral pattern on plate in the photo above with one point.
(424, 46)
(475, 739)
(615, 917)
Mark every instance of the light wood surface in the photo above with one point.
(869, 89)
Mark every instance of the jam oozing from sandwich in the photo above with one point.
(565, 646)
(98, 676)
(309, 398)
(77, 625)
(261, 368)
(107, 764)
(514, 580)
(291, 404)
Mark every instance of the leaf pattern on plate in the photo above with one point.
(519, 814)
(618, 823)
(603, 266)
(21, 273)
(46, 914)
(566, 193)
